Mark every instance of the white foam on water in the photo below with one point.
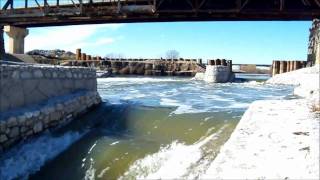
(170, 162)
(114, 143)
(238, 105)
(28, 158)
(169, 102)
(138, 79)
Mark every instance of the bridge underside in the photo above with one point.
(120, 11)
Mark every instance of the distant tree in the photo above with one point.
(114, 56)
(172, 54)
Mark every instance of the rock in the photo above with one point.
(15, 75)
(14, 132)
(2, 127)
(23, 129)
(54, 116)
(12, 122)
(3, 138)
(38, 127)
(38, 73)
(26, 75)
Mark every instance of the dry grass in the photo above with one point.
(315, 108)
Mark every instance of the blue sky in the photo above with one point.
(243, 42)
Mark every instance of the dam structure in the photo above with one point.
(153, 118)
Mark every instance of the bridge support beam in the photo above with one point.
(16, 38)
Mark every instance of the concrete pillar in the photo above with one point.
(78, 54)
(88, 57)
(218, 62)
(199, 61)
(16, 38)
(283, 67)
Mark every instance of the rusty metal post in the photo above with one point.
(275, 68)
(283, 67)
(83, 56)
(229, 64)
(288, 66)
(224, 62)
(218, 62)
(295, 65)
(78, 54)
(88, 57)
(291, 65)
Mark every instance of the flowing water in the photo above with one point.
(145, 128)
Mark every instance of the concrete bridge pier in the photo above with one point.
(16, 38)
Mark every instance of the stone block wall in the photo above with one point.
(35, 98)
(23, 85)
(22, 123)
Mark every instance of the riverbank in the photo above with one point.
(275, 139)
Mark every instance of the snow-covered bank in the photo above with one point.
(275, 139)
(307, 80)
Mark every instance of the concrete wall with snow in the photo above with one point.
(218, 74)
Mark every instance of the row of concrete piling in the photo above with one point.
(85, 57)
(80, 56)
(279, 67)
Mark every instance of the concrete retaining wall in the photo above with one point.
(26, 85)
(35, 98)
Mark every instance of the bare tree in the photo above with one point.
(114, 56)
(172, 54)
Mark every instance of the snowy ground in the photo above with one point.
(275, 139)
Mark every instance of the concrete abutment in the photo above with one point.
(16, 38)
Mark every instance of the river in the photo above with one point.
(145, 128)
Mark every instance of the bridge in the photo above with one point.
(19, 15)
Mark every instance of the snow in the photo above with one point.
(275, 139)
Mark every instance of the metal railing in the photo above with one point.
(18, 4)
